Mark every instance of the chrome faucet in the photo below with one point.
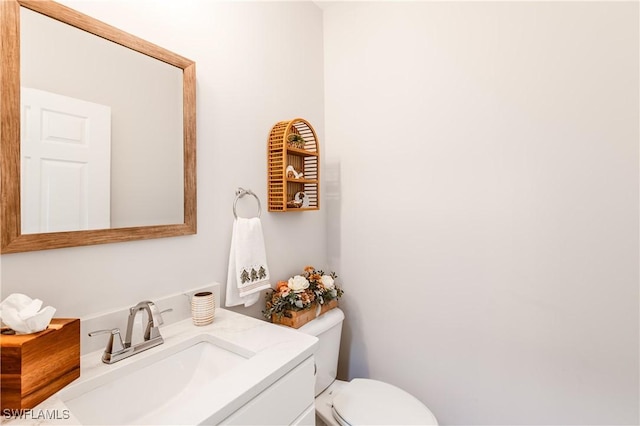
(117, 350)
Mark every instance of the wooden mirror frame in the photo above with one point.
(12, 239)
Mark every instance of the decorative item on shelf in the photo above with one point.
(301, 198)
(302, 298)
(296, 141)
(293, 166)
(292, 173)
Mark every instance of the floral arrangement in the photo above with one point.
(301, 292)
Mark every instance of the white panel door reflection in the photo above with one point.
(66, 163)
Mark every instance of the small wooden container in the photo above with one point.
(35, 366)
(297, 319)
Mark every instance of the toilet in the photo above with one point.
(360, 401)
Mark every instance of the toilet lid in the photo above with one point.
(371, 402)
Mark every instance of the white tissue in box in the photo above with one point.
(23, 314)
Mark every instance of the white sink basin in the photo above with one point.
(159, 381)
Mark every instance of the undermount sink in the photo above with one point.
(144, 389)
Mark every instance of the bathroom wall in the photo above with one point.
(256, 63)
(484, 204)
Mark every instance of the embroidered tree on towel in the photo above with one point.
(254, 274)
(262, 274)
(244, 276)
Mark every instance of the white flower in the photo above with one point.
(327, 281)
(298, 283)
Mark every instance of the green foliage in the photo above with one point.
(296, 140)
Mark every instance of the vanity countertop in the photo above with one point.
(271, 351)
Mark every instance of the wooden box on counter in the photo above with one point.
(35, 366)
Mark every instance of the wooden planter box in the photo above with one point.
(35, 366)
(297, 319)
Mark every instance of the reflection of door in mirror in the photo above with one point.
(65, 157)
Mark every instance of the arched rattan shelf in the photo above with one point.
(293, 167)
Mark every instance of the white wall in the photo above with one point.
(256, 63)
(484, 162)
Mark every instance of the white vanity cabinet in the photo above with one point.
(288, 401)
(237, 371)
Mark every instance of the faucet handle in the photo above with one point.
(164, 312)
(114, 345)
(155, 321)
(156, 315)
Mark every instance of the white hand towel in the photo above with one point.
(248, 272)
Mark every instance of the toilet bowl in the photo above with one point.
(360, 401)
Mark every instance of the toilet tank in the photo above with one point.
(327, 328)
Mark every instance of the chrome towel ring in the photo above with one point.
(241, 192)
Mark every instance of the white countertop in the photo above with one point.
(271, 351)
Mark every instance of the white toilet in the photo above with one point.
(360, 401)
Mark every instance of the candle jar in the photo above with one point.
(203, 308)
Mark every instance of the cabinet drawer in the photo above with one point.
(281, 403)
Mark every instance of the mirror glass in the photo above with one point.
(97, 132)
(101, 134)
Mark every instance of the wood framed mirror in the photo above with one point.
(14, 236)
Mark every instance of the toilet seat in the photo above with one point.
(371, 402)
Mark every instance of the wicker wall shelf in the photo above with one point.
(293, 167)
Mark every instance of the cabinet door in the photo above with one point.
(282, 403)
(308, 418)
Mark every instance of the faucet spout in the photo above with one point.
(141, 306)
